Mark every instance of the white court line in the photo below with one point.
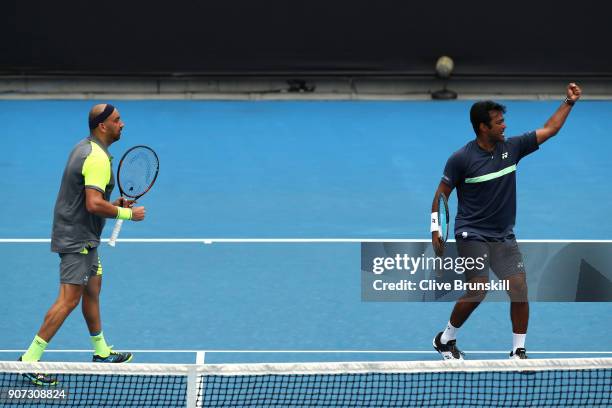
(282, 240)
(319, 351)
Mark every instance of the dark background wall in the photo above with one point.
(314, 37)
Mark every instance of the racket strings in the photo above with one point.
(138, 171)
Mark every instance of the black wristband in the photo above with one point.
(569, 101)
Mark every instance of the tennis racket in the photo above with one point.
(443, 218)
(136, 175)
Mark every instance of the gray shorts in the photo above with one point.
(502, 256)
(76, 268)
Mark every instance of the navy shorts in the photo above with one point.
(502, 256)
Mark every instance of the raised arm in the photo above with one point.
(435, 236)
(556, 121)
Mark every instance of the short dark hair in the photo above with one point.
(479, 113)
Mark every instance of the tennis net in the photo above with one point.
(484, 383)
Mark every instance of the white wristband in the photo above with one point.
(435, 225)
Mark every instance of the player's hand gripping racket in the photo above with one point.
(136, 175)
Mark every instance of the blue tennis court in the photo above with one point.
(288, 170)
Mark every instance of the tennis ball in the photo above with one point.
(444, 66)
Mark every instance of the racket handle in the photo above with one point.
(115, 233)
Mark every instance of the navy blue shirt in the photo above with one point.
(486, 185)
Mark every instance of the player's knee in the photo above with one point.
(476, 295)
(69, 304)
(91, 295)
(479, 295)
(476, 289)
(518, 288)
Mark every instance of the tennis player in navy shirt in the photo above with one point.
(484, 174)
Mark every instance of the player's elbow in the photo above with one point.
(553, 131)
(92, 205)
(546, 133)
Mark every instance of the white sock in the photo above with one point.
(450, 333)
(518, 341)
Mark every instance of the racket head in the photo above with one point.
(137, 171)
(443, 217)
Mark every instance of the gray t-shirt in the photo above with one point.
(74, 228)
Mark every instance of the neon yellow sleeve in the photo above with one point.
(97, 169)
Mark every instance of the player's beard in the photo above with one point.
(117, 135)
